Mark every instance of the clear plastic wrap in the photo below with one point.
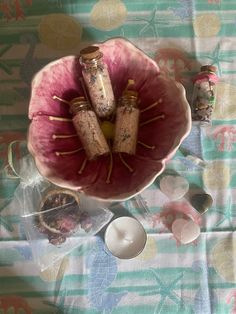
(55, 220)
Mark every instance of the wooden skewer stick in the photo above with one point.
(110, 169)
(125, 163)
(56, 136)
(69, 153)
(151, 106)
(60, 99)
(52, 118)
(153, 119)
(146, 146)
(83, 166)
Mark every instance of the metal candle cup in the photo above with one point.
(125, 237)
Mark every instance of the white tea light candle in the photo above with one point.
(125, 237)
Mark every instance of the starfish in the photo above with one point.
(4, 66)
(227, 215)
(217, 58)
(150, 23)
(165, 290)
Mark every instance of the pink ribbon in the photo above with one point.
(206, 76)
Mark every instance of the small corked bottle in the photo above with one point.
(204, 94)
(127, 121)
(88, 129)
(97, 80)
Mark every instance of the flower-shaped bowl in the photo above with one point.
(62, 78)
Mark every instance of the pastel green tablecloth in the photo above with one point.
(166, 278)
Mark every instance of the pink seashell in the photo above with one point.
(61, 78)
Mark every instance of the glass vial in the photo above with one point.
(97, 80)
(88, 129)
(204, 94)
(127, 121)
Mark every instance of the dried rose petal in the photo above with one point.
(56, 239)
(85, 221)
(66, 224)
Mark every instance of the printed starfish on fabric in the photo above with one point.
(217, 57)
(227, 213)
(166, 290)
(151, 23)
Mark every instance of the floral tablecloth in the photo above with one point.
(167, 277)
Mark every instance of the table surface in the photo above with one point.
(167, 277)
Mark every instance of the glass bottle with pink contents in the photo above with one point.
(97, 80)
(204, 94)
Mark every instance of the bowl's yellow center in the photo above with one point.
(108, 130)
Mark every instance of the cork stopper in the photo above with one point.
(129, 96)
(208, 68)
(78, 100)
(90, 53)
(130, 93)
(78, 104)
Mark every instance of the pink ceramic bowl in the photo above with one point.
(61, 78)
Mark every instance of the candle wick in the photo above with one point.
(120, 233)
(128, 240)
(123, 235)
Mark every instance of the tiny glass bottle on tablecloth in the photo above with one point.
(127, 122)
(204, 94)
(97, 80)
(88, 129)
